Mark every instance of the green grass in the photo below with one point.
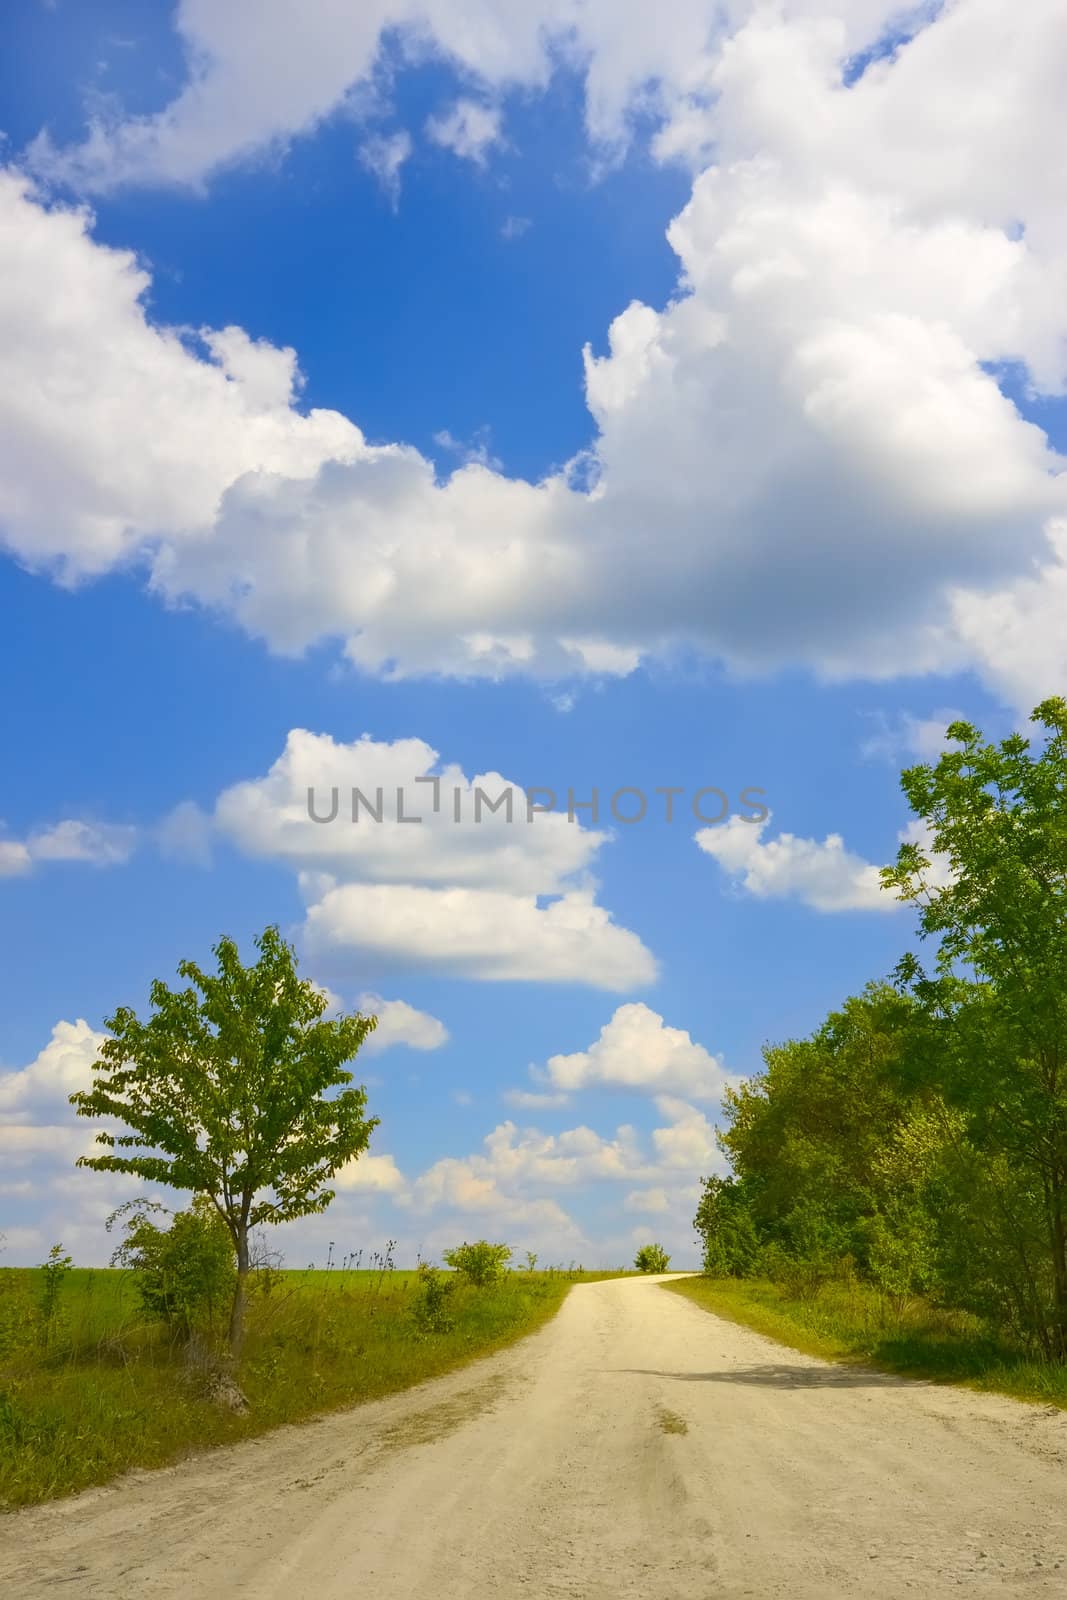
(855, 1322)
(107, 1391)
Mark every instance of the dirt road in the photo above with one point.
(635, 1447)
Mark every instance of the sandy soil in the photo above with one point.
(635, 1447)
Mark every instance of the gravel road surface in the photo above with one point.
(636, 1446)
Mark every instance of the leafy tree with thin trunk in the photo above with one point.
(228, 1089)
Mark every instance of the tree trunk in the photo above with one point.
(237, 1311)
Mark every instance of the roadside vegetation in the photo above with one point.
(99, 1375)
(899, 1179)
(235, 1094)
(236, 1089)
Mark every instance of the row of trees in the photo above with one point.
(920, 1134)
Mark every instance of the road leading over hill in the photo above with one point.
(635, 1447)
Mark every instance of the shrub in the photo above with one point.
(652, 1258)
(430, 1306)
(185, 1273)
(479, 1263)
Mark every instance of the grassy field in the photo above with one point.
(101, 1390)
(854, 1322)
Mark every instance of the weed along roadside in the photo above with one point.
(92, 1383)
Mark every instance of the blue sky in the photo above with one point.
(802, 504)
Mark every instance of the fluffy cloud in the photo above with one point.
(449, 878)
(528, 1159)
(257, 76)
(399, 1023)
(458, 838)
(468, 128)
(824, 875)
(62, 1068)
(814, 427)
(688, 1140)
(96, 844)
(1016, 633)
(525, 1161)
(496, 1193)
(116, 432)
(479, 933)
(372, 1174)
(637, 1050)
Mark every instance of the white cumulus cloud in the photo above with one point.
(62, 1067)
(373, 1174)
(260, 75)
(823, 874)
(809, 456)
(688, 1140)
(400, 1023)
(637, 1050)
(447, 873)
(479, 933)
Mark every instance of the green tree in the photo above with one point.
(991, 886)
(652, 1258)
(228, 1089)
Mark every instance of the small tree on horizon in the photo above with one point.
(480, 1263)
(225, 1089)
(652, 1258)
